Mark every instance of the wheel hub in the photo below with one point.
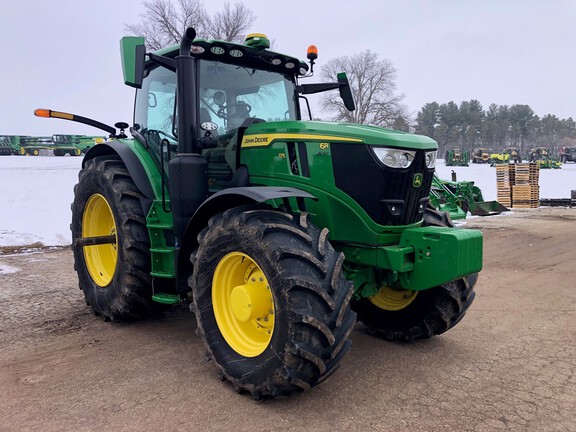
(243, 304)
(251, 300)
(97, 221)
(392, 299)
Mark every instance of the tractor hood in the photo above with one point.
(263, 134)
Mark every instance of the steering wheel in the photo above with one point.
(238, 107)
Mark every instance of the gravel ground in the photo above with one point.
(509, 365)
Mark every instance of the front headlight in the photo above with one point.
(394, 158)
(431, 159)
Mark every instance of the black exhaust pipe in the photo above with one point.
(188, 171)
(186, 94)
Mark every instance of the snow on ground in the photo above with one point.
(5, 269)
(554, 183)
(36, 193)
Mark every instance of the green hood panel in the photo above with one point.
(372, 135)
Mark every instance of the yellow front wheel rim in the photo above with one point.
(243, 304)
(393, 299)
(98, 221)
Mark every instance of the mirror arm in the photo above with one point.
(164, 61)
(316, 88)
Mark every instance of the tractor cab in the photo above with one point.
(233, 86)
(514, 154)
(481, 155)
(228, 97)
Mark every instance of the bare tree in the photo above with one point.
(232, 23)
(164, 21)
(374, 89)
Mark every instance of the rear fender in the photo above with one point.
(133, 165)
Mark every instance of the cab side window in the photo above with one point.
(154, 115)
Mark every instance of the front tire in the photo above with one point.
(271, 301)
(115, 276)
(406, 316)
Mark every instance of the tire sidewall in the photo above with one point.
(207, 259)
(99, 297)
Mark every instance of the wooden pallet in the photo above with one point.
(526, 191)
(504, 195)
(526, 204)
(517, 185)
(504, 175)
(526, 173)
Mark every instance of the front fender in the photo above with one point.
(220, 202)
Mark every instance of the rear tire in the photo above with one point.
(305, 317)
(408, 316)
(114, 277)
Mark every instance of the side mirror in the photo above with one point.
(346, 92)
(133, 53)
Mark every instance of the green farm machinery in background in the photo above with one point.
(543, 157)
(460, 197)
(58, 145)
(481, 155)
(9, 145)
(36, 145)
(514, 154)
(506, 156)
(457, 157)
(279, 231)
(74, 144)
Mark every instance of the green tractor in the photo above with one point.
(279, 232)
(74, 145)
(457, 198)
(457, 157)
(9, 145)
(543, 157)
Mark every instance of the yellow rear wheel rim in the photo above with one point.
(97, 221)
(243, 304)
(393, 299)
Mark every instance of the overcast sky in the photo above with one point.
(64, 54)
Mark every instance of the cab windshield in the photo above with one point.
(229, 94)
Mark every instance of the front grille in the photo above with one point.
(386, 194)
